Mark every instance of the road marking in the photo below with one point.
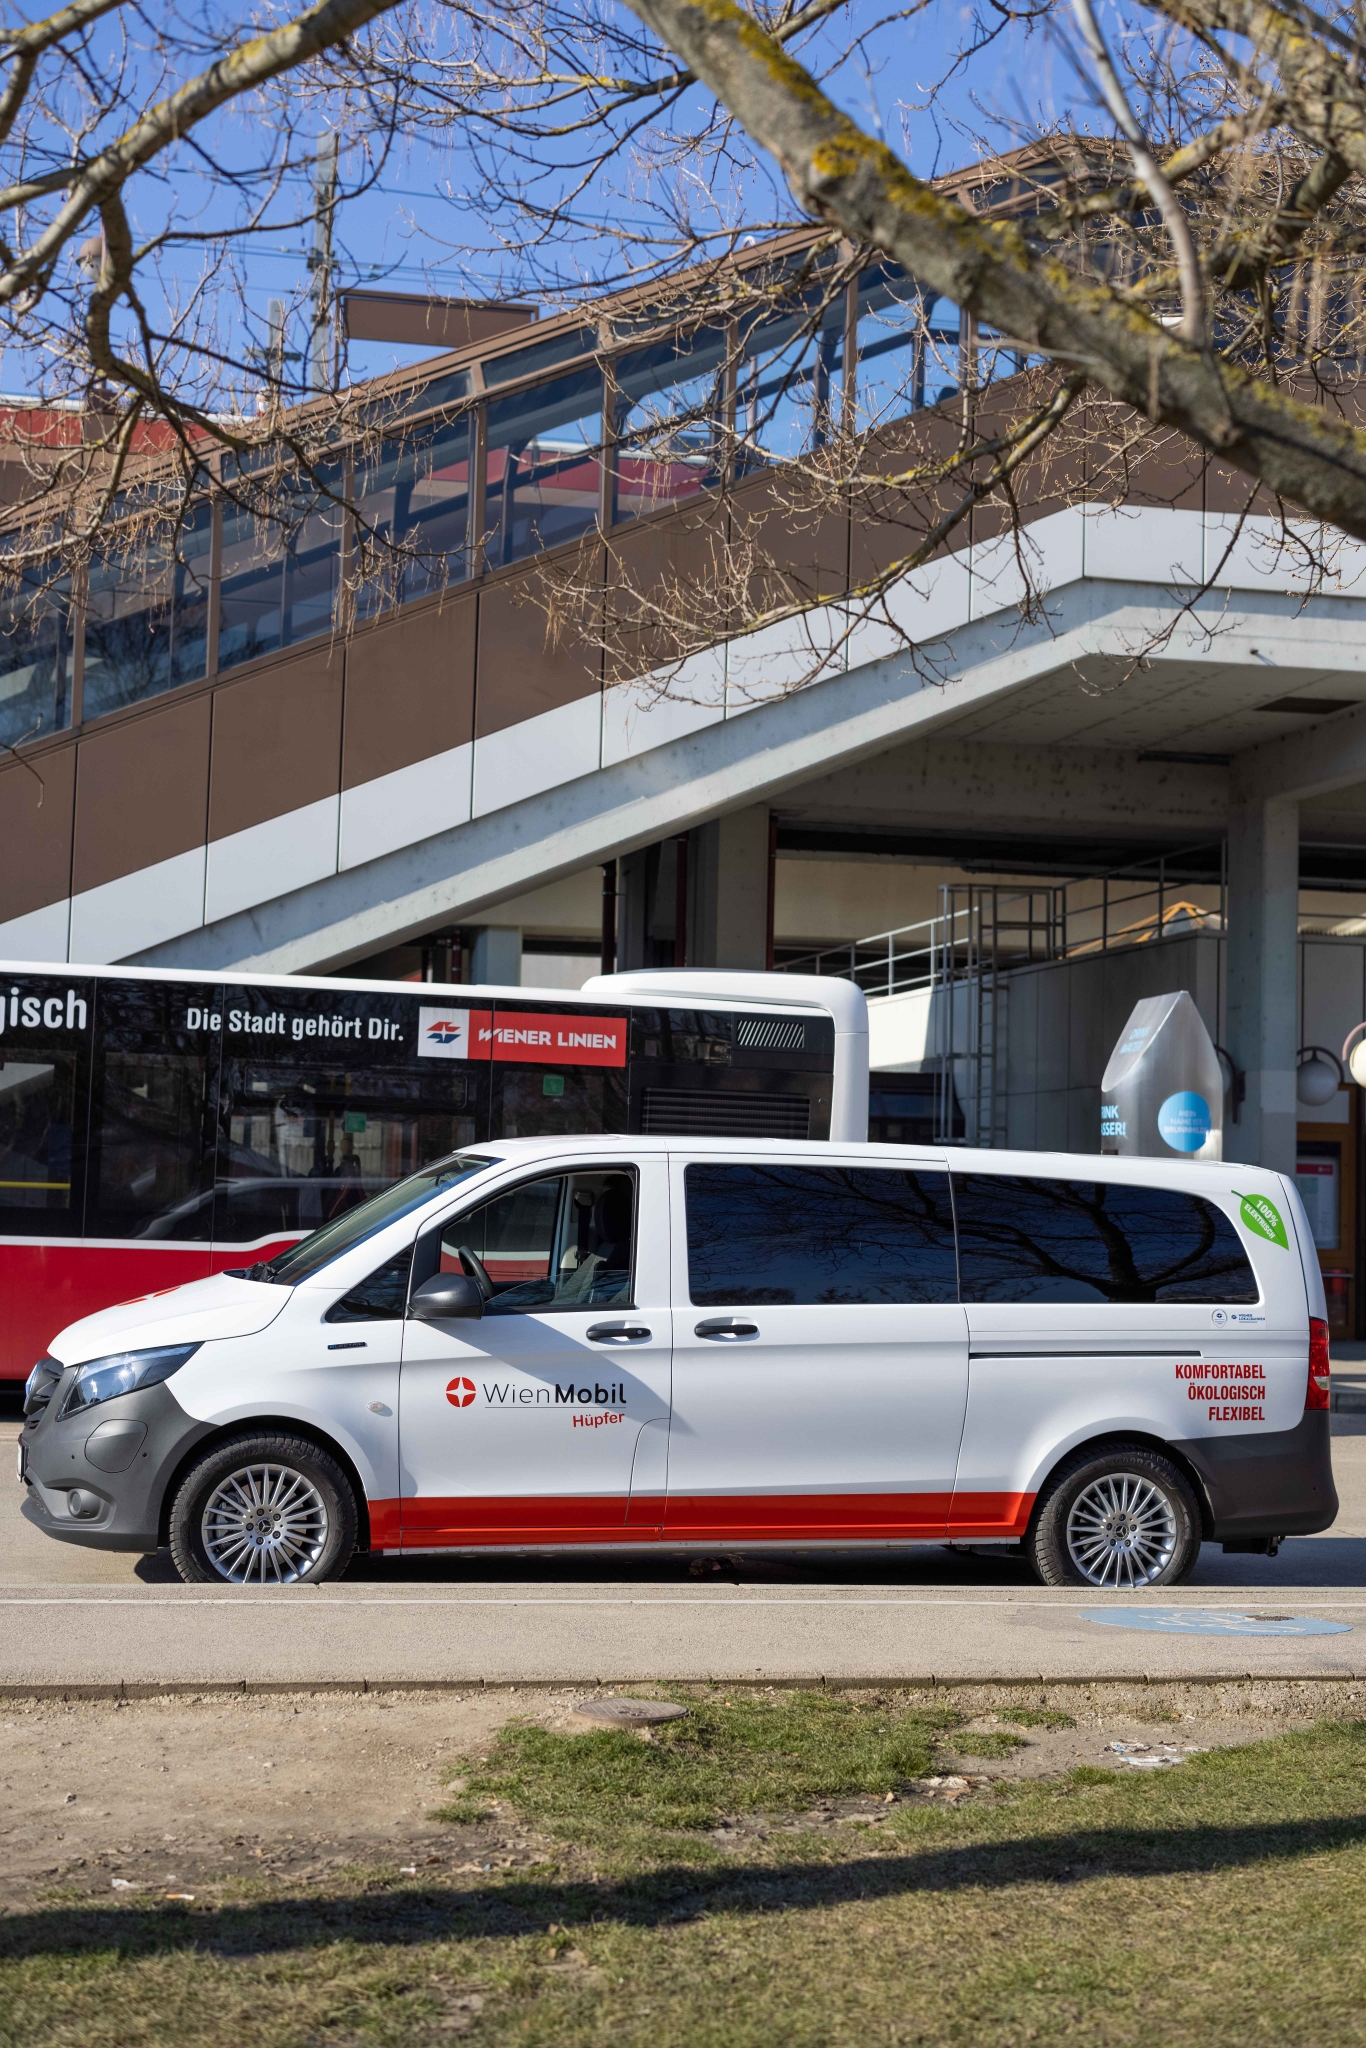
(303, 1597)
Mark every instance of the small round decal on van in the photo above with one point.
(460, 1392)
(1184, 1121)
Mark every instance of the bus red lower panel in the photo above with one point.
(43, 1287)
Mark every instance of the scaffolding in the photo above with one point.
(964, 956)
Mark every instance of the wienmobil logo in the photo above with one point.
(460, 1392)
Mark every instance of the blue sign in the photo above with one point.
(1184, 1121)
(1213, 1621)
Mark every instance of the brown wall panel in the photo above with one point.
(888, 525)
(276, 741)
(1047, 481)
(409, 689)
(655, 560)
(35, 832)
(804, 538)
(141, 790)
(522, 670)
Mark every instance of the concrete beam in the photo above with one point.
(1329, 755)
(755, 757)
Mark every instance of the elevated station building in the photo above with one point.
(1120, 750)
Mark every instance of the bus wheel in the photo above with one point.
(266, 1510)
(1116, 1519)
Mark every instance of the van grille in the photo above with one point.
(689, 1112)
(770, 1034)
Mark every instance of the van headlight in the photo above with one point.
(124, 1372)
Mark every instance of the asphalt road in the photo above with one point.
(81, 1619)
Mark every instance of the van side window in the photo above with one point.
(563, 1242)
(1021, 1239)
(817, 1234)
(382, 1297)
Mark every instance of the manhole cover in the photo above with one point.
(1213, 1621)
(629, 1713)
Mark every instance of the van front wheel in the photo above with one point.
(1117, 1520)
(269, 1510)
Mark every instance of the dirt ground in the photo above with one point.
(167, 1795)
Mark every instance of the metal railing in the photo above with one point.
(964, 957)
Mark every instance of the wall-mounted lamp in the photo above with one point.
(1318, 1075)
(1354, 1054)
(1235, 1083)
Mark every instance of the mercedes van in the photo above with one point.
(627, 1342)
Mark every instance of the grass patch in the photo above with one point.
(728, 1756)
(1207, 1907)
(1037, 1717)
(986, 1742)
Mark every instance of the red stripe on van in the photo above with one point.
(591, 1519)
(990, 1514)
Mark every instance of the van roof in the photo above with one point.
(962, 1158)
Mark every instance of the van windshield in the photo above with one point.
(302, 1260)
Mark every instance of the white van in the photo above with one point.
(599, 1342)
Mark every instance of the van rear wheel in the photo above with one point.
(1118, 1519)
(265, 1510)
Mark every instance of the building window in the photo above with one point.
(908, 348)
(413, 500)
(791, 384)
(670, 423)
(281, 574)
(147, 616)
(543, 474)
(36, 664)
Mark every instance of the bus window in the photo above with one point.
(299, 1146)
(151, 1163)
(37, 1092)
(538, 1102)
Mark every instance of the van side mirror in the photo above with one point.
(446, 1296)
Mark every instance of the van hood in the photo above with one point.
(218, 1307)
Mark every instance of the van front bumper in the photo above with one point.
(115, 1477)
(1280, 1484)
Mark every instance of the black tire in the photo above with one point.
(264, 1509)
(1125, 1512)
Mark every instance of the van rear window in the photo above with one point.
(1021, 1239)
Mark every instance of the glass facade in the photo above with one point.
(508, 475)
(670, 424)
(791, 385)
(414, 497)
(281, 576)
(147, 616)
(543, 470)
(36, 657)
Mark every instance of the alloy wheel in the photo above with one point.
(1121, 1531)
(266, 1523)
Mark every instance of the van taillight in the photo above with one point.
(1316, 1394)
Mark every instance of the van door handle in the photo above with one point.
(617, 1333)
(726, 1328)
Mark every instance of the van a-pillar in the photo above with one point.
(1263, 896)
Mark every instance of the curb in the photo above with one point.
(303, 1688)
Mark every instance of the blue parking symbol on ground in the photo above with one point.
(1213, 1621)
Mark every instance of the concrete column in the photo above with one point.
(728, 891)
(496, 955)
(1262, 1031)
(633, 909)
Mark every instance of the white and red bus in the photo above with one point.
(158, 1127)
